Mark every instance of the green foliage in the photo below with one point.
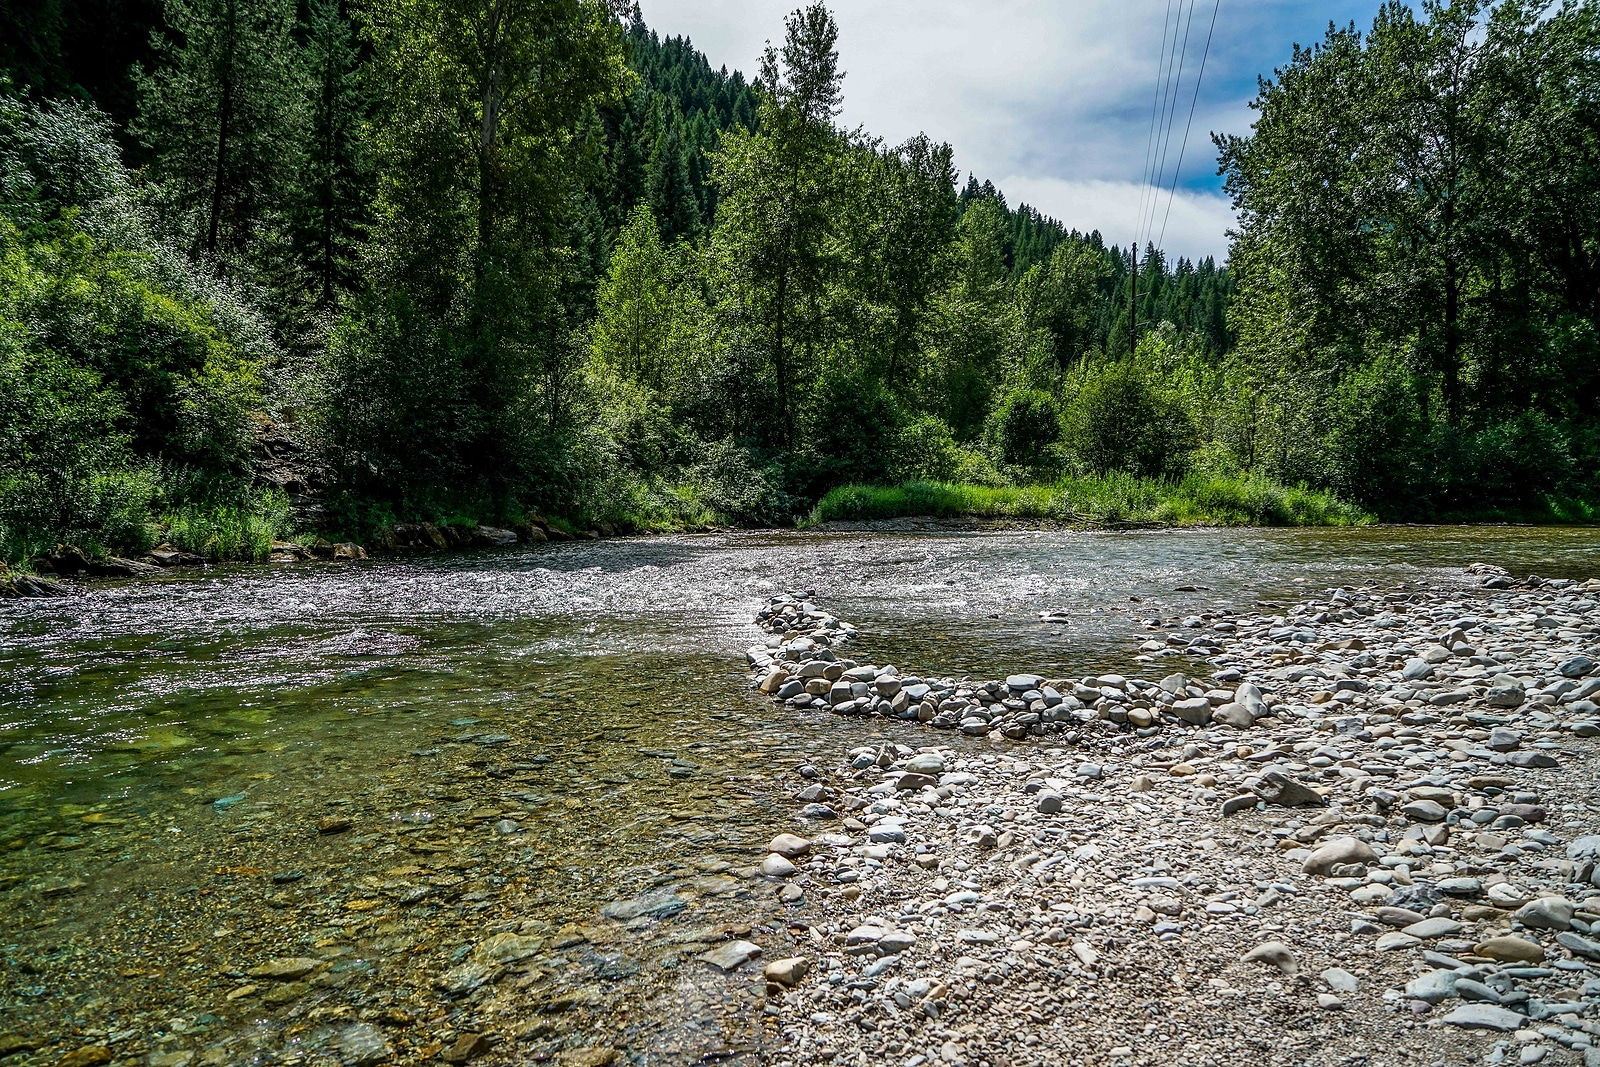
(1119, 420)
(1110, 500)
(1415, 259)
(239, 531)
(222, 114)
(67, 473)
(119, 357)
(458, 365)
(1024, 426)
(333, 193)
(527, 254)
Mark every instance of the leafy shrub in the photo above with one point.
(1024, 426)
(853, 431)
(1119, 421)
(925, 449)
(117, 355)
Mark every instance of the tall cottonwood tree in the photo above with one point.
(222, 114)
(774, 214)
(464, 339)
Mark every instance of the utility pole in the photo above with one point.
(1133, 305)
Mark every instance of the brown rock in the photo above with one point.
(333, 824)
(1508, 949)
(595, 1056)
(788, 972)
(87, 1056)
(286, 969)
(467, 1047)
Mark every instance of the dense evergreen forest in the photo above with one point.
(471, 259)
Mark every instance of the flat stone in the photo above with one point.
(1395, 940)
(789, 971)
(1586, 847)
(1509, 949)
(1339, 851)
(1275, 787)
(1425, 811)
(459, 981)
(467, 1047)
(1432, 987)
(1473, 990)
(362, 1045)
(731, 954)
(1401, 917)
(287, 969)
(1546, 913)
(506, 948)
(789, 846)
(87, 1056)
(1416, 669)
(1505, 696)
(1275, 954)
(1486, 1017)
(1433, 929)
(1340, 980)
(1576, 667)
(926, 763)
(660, 904)
(1579, 945)
(593, 1056)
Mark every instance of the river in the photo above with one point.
(504, 743)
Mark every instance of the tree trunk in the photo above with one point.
(224, 128)
(489, 136)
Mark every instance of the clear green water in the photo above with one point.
(172, 744)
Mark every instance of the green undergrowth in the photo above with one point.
(236, 531)
(1099, 500)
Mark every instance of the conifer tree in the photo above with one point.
(222, 114)
(336, 182)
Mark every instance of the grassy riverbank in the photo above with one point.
(1108, 500)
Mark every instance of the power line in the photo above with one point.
(1172, 110)
(1192, 100)
(1173, 64)
(1150, 138)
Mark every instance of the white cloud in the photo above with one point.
(1055, 94)
(1194, 228)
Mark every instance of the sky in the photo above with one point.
(1051, 101)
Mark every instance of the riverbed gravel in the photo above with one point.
(1361, 829)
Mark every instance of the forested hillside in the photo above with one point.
(468, 261)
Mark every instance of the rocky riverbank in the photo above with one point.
(1361, 831)
(56, 570)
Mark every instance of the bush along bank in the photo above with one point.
(1367, 822)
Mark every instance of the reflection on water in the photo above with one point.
(514, 739)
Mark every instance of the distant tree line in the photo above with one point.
(479, 257)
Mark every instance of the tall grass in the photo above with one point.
(243, 531)
(1100, 500)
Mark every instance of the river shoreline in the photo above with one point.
(1351, 843)
(519, 806)
(81, 573)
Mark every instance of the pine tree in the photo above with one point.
(336, 183)
(671, 196)
(222, 115)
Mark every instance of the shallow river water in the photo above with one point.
(378, 766)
